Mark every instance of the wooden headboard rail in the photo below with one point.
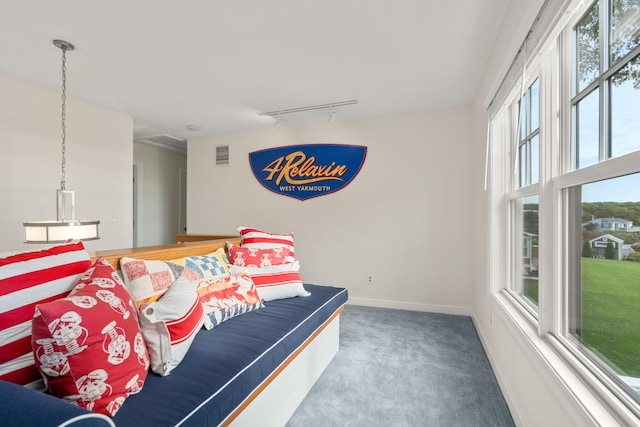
(163, 252)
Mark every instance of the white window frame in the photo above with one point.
(509, 143)
(546, 332)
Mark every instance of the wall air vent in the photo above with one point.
(165, 141)
(222, 155)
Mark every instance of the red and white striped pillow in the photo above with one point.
(26, 279)
(170, 324)
(254, 238)
(275, 282)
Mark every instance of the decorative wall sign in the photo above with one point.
(307, 171)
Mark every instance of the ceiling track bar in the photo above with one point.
(308, 108)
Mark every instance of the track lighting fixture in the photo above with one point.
(332, 107)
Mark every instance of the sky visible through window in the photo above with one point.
(622, 189)
(624, 122)
(625, 136)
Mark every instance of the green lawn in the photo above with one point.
(611, 312)
(531, 288)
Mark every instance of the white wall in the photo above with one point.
(98, 159)
(158, 199)
(405, 218)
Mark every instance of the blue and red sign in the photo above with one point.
(307, 171)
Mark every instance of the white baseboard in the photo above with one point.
(412, 306)
(502, 382)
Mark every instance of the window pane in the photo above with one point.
(605, 311)
(522, 119)
(625, 109)
(535, 159)
(528, 276)
(535, 106)
(625, 27)
(523, 165)
(587, 44)
(587, 146)
(529, 121)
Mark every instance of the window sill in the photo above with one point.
(581, 394)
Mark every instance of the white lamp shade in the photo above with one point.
(60, 231)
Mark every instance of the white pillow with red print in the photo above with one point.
(256, 257)
(228, 298)
(275, 282)
(88, 346)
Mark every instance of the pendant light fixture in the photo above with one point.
(66, 227)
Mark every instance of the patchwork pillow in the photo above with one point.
(148, 280)
(229, 297)
(254, 238)
(26, 279)
(275, 282)
(169, 325)
(88, 346)
(255, 257)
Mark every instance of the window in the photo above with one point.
(605, 82)
(526, 280)
(528, 146)
(566, 197)
(603, 311)
(603, 294)
(523, 215)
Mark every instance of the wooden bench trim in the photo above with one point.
(181, 238)
(163, 252)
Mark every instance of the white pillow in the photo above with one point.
(254, 238)
(169, 325)
(275, 282)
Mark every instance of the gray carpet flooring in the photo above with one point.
(405, 368)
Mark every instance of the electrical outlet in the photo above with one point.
(370, 278)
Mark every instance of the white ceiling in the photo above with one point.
(215, 64)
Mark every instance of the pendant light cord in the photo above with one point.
(64, 115)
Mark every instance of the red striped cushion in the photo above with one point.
(26, 279)
(275, 282)
(254, 238)
(174, 319)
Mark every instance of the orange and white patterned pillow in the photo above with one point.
(148, 280)
(88, 345)
(228, 297)
(275, 282)
(26, 279)
(170, 324)
(255, 238)
(255, 257)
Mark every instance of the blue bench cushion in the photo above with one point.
(226, 364)
(21, 406)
